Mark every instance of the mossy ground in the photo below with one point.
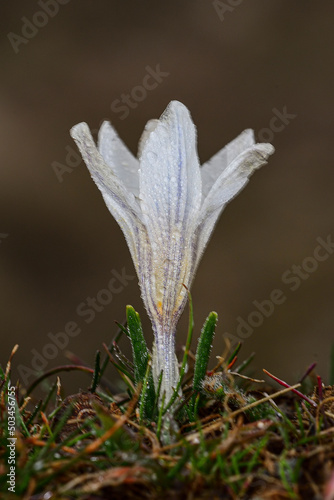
(235, 438)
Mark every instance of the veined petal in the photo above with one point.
(170, 198)
(120, 202)
(233, 178)
(149, 127)
(213, 168)
(118, 157)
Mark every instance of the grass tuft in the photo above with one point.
(226, 436)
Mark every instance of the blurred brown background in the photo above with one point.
(235, 65)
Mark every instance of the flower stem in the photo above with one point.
(165, 360)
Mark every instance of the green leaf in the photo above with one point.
(203, 354)
(141, 358)
(143, 396)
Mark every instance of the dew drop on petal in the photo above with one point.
(151, 156)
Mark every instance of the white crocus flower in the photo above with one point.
(167, 206)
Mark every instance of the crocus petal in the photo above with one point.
(170, 198)
(120, 202)
(233, 178)
(213, 168)
(149, 127)
(118, 157)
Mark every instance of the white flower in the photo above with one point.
(167, 206)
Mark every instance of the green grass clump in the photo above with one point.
(224, 434)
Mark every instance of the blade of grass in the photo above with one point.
(20, 421)
(118, 367)
(308, 371)
(110, 348)
(122, 358)
(284, 384)
(177, 468)
(123, 328)
(34, 413)
(203, 354)
(140, 358)
(234, 353)
(138, 343)
(245, 363)
(64, 368)
(144, 393)
(258, 449)
(49, 396)
(96, 374)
